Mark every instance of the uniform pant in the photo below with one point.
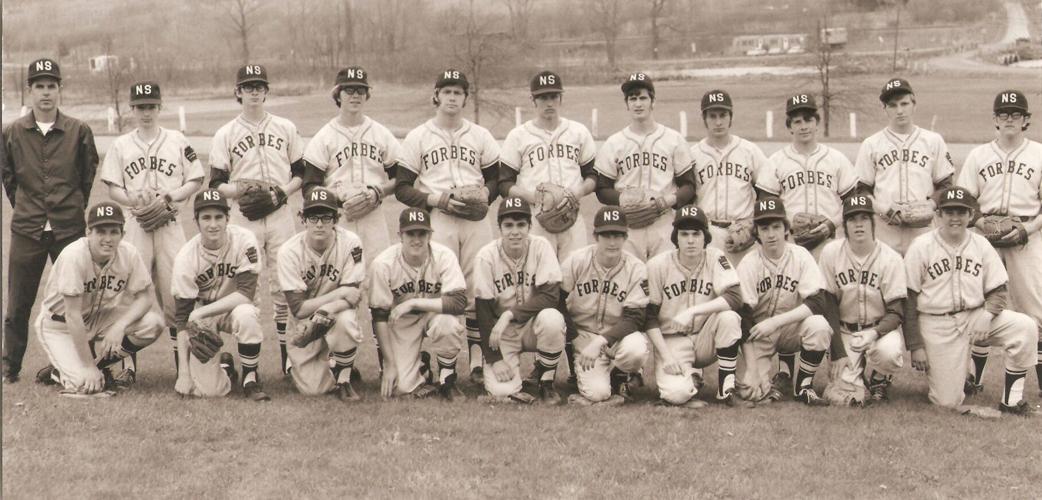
(311, 374)
(628, 355)
(897, 237)
(755, 365)
(464, 237)
(698, 350)
(271, 232)
(158, 250)
(566, 241)
(1024, 264)
(25, 262)
(543, 333)
(372, 230)
(886, 356)
(209, 379)
(947, 342)
(444, 335)
(719, 241)
(650, 241)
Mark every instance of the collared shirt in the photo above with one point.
(48, 178)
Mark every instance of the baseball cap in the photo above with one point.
(514, 205)
(353, 76)
(1011, 100)
(209, 198)
(716, 99)
(452, 77)
(414, 218)
(145, 93)
(251, 73)
(800, 101)
(546, 82)
(957, 197)
(857, 204)
(44, 67)
(894, 88)
(768, 209)
(320, 197)
(610, 219)
(690, 214)
(105, 212)
(638, 80)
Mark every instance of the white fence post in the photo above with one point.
(770, 124)
(853, 125)
(593, 122)
(683, 124)
(112, 119)
(517, 116)
(181, 118)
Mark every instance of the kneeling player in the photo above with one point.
(693, 296)
(87, 323)
(320, 271)
(604, 293)
(214, 282)
(517, 284)
(416, 291)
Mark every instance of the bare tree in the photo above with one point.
(657, 7)
(243, 22)
(117, 71)
(520, 18)
(478, 51)
(606, 17)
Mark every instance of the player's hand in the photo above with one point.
(183, 386)
(861, 341)
(764, 327)
(401, 310)
(586, 358)
(502, 371)
(351, 294)
(389, 381)
(837, 367)
(980, 327)
(670, 365)
(498, 329)
(111, 340)
(94, 381)
(919, 361)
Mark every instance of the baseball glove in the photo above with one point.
(259, 199)
(155, 214)
(996, 227)
(313, 329)
(739, 236)
(642, 207)
(358, 201)
(911, 213)
(809, 230)
(204, 341)
(558, 208)
(473, 196)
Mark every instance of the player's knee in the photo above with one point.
(246, 322)
(818, 334)
(445, 334)
(632, 352)
(152, 326)
(347, 324)
(549, 330)
(676, 389)
(887, 355)
(729, 329)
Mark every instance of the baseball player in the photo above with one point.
(726, 172)
(649, 158)
(901, 164)
(259, 147)
(517, 281)
(691, 318)
(214, 283)
(152, 165)
(1006, 176)
(321, 270)
(549, 149)
(96, 308)
(416, 291)
(957, 296)
(604, 294)
(784, 290)
(809, 177)
(867, 279)
(446, 152)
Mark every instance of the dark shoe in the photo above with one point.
(448, 389)
(1023, 409)
(477, 375)
(124, 380)
(355, 377)
(809, 397)
(732, 400)
(772, 396)
(879, 390)
(425, 367)
(698, 381)
(10, 374)
(425, 391)
(521, 397)
(254, 392)
(572, 382)
(970, 388)
(346, 393)
(548, 394)
(782, 382)
(47, 376)
(228, 365)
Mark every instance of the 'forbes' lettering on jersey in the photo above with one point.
(807, 178)
(317, 272)
(1012, 167)
(853, 276)
(212, 275)
(954, 264)
(510, 280)
(728, 169)
(603, 287)
(359, 150)
(422, 286)
(637, 160)
(249, 142)
(151, 163)
(695, 285)
(445, 153)
(905, 155)
(779, 281)
(104, 282)
(562, 151)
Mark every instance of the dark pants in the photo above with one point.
(26, 260)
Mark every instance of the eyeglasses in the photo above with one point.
(1016, 115)
(325, 219)
(253, 87)
(354, 90)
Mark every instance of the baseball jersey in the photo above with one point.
(597, 296)
(649, 161)
(863, 285)
(103, 289)
(263, 151)
(302, 269)
(725, 178)
(208, 275)
(393, 280)
(554, 156)
(902, 168)
(1005, 183)
(444, 159)
(512, 282)
(952, 279)
(165, 164)
(772, 287)
(814, 183)
(675, 288)
(353, 156)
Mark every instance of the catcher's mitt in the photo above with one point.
(642, 207)
(739, 236)
(911, 213)
(996, 227)
(809, 230)
(473, 196)
(204, 341)
(358, 201)
(313, 329)
(259, 199)
(154, 214)
(558, 208)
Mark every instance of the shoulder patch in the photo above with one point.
(644, 286)
(724, 263)
(356, 254)
(251, 254)
(190, 154)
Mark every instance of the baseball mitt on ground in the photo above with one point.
(911, 213)
(558, 208)
(996, 228)
(809, 230)
(204, 341)
(313, 329)
(358, 201)
(259, 199)
(739, 236)
(154, 214)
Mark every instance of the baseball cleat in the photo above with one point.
(448, 389)
(732, 400)
(698, 381)
(228, 365)
(970, 388)
(579, 400)
(782, 382)
(522, 397)
(344, 392)
(1023, 409)
(124, 380)
(548, 394)
(355, 377)
(477, 375)
(809, 397)
(10, 375)
(772, 396)
(254, 392)
(855, 403)
(879, 391)
(425, 391)
(47, 376)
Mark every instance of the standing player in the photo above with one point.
(550, 149)
(445, 153)
(517, 284)
(321, 271)
(146, 167)
(902, 166)
(867, 278)
(784, 289)
(96, 308)
(694, 293)
(214, 283)
(604, 294)
(1006, 175)
(646, 169)
(416, 290)
(957, 297)
(263, 153)
(811, 178)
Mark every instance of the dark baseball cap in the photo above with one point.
(893, 88)
(546, 82)
(768, 209)
(717, 99)
(610, 219)
(690, 214)
(41, 68)
(1011, 100)
(145, 93)
(414, 218)
(210, 198)
(353, 76)
(514, 205)
(638, 80)
(956, 196)
(452, 77)
(799, 102)
(251, 73)
(857, 204)
(105, 212)
(320, 197)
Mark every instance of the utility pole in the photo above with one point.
(897, 34)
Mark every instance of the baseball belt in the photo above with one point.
(857, 327)
(60, 318)
(950, 313)
(721, 224)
